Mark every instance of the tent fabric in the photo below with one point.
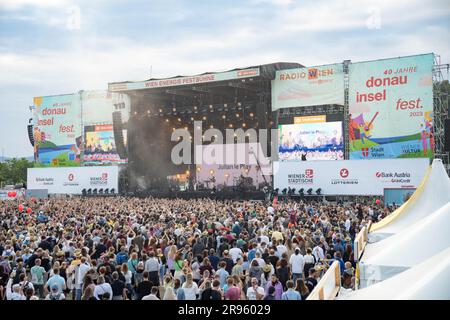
(431, 196)
(427, 280)
(405, 249)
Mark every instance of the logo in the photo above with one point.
(365, 152)
(105, 176)
(312, 73)
(309, 173)
(344, 173)
(71, 177)
(302, 178)
(378, 174)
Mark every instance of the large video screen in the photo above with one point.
(100, 147)
(311, 141)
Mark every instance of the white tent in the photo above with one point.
(405, 249)
(428, 280)
(432, 194)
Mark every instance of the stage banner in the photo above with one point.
(97, 109)
(350, 177)
(57, 131)
(189, 80)
(73, 180)
(391, 108)
(308, 86)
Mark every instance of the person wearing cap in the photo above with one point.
(14, 292)
(55, 294)
(57, 280)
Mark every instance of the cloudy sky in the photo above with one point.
(61, 46)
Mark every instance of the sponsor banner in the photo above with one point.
(308, 86)
(391, 108)
(180, 81)
(310, 119)
(350, 177)
(57, 131)
(73, 180)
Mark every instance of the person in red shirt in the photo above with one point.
(233, 291)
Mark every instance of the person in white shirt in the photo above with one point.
(347, 224)
(318, 252)
(83, 268)
(297, 263)
(190, 288)
(258, 258)
(153, 295)
(281, 248)
(101, 288)
(235, 253)
(15, 293)
(255, 292)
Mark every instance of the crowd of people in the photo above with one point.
(128, 248)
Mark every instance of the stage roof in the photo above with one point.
(266, 72)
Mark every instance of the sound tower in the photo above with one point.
(30, 134)
(447, 135)
(118, 135)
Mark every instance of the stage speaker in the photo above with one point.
(447, 135)
(30, 134)
(262, 113)
(118, 135)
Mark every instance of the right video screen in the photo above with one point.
(311, 139)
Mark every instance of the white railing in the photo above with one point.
(328, 287)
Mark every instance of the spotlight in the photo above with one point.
(275, 191)
(319, 191)
(285, 190)
(310, 190)
(100, 191)
(204, 118)
(94, 191)
(225, 105)
(107, 191)
(293, 190)
(112, 191)
(251, 114)
(83, 192)
(160, 110)
(89, 191)
(224, 116)
(301, 191)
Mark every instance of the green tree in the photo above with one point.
(14, 171)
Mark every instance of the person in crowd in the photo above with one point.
(153, 295)
(290, 293)
(254, 291)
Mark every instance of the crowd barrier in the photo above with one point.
(328, 287)
(361, 241)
